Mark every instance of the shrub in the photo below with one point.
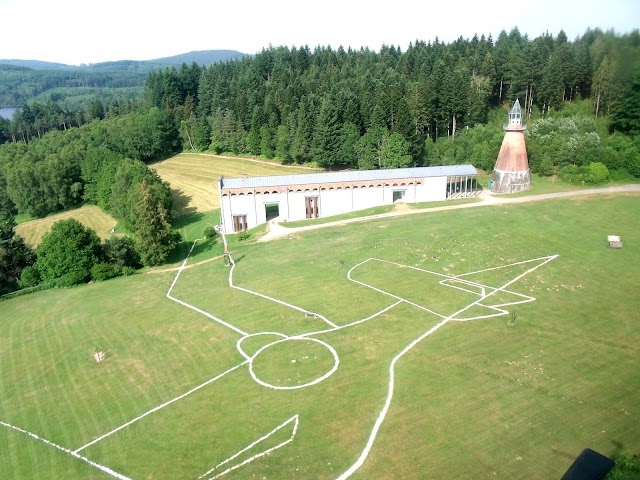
(572, 174)
(243, 235)
(69, 280)
(126, 271)
(597, 172)
(621, 175)
(210, 232)
(546, 167)
(104, 271)
(121, 251)
(30, 277)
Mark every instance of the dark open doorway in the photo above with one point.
(272, 210)
(398, 195)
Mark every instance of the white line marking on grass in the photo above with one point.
(317, 332)
(185, 304)
(448, 282)
(391, 294)
(294, 419)
(336, 363)
(374, 432)
(106, 470)
(548, 259)
(159, 407)
(242, 339)
(302, 310)
(246, 290)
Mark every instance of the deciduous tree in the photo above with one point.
(67, 253)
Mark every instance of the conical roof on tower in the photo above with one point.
(515, 118)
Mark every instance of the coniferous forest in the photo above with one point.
(364, 109)
(432, 104)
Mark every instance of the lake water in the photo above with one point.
(7, 112)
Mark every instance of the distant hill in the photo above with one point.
(34, 64)
(26, 80)
(202, 57)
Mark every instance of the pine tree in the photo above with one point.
(349, 137)
(282, 144)
(395, 152)
(326, 137)
(625, 113)
(155, 238)
(552, 88)
(601, 87)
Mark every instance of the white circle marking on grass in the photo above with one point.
(295, 387)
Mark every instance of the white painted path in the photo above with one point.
(451, 281)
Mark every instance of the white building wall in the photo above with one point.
(292, 205)
(263, 199)
(335, 202)
(238, 205)
(433, 188)
(367, 197)
(297, 208)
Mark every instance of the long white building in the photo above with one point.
(251, 201)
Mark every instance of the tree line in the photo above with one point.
(36, 118)
(101, 163)
(19, 85)
(365, 109)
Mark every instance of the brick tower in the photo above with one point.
(511, 173)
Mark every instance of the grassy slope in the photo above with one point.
(89, 215)
(194, 177)
(473, 400)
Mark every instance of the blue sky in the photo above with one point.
(91, 31)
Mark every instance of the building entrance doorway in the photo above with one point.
(311, 204)
(239, 223)
(398, 195)
(271, 210)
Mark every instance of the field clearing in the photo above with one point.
(89, 215)
(194, 177)
(207, 388)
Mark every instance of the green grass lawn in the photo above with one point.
(479, 399)
(336, 218)
(368, 212)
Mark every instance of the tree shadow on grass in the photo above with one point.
(181, 205)
(209, 246)
(187, 219)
